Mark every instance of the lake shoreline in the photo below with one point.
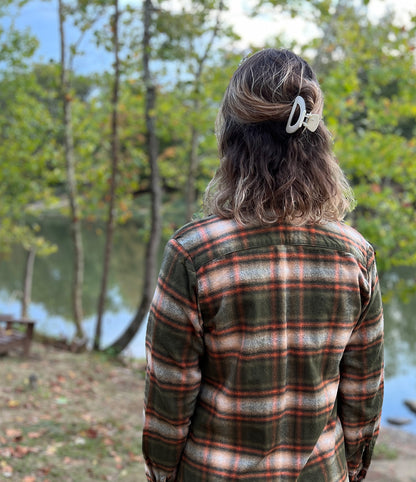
(394, 456)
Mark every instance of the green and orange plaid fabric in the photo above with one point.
(264, 355)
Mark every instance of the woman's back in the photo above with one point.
(273, 323)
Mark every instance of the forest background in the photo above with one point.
(132, 140)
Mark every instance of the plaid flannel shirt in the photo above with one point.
(264, 355)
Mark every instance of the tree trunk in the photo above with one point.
(27, 282)
(78, 269)
(196, 106)
(153, 244)
(192, 172)
(115, 143)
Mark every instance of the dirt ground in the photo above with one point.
(67, 417)
(70, 417)
(395, 457)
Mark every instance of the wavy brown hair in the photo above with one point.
(267, 175)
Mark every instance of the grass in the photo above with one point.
(385, 452)
(69, 417)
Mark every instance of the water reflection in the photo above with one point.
(400, 326)
(52, 292)
(52, 275)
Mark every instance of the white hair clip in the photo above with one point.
(310, 121)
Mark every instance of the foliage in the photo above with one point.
(15, 49)
(370, 108)
(366, 68)
(16, 46)
(27, 158)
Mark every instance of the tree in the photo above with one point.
(15, 50)
(366, 68)
(370, 96)
(78, 268)
(115, 143)
(22, 149)
(182, 41)
(156, 193)
(189, 38)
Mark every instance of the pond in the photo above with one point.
(52, 310)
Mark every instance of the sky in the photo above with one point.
(257, 30)
(41, 18)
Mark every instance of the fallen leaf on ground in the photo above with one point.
(87, 417)
(45, 471)
(135, 457)
(20, 451)
(79, 441)
(14, 433)
(6, 470)
(6, 452)
(117, 459)
(91, 432)
(51, 449)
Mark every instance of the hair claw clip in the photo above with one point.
(310, 121)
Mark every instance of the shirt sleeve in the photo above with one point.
(362, 380)
(174, 346)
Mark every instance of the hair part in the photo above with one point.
(267, 175)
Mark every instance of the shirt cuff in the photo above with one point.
(157, 475)
(357, 476)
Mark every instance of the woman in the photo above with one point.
(265, 335)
